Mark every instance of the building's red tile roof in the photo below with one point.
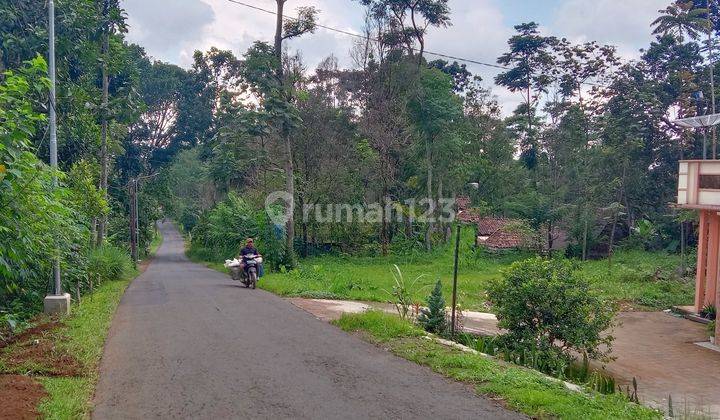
(490, 225)
(505, 240)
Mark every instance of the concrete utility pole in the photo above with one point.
(133, 189)
(57, 302)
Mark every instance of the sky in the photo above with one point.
(171, 30)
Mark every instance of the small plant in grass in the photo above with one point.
(709, 312)
(402, 293)
(710, 328)
(434, 318)
(548, 309)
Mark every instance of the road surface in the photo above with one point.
(187, 342)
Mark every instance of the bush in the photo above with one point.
(36, 219)
(221, 232)
(108, 263)
(548, 309)
(433, 319)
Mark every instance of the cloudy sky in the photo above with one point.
(171, 30)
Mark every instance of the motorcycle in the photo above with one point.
(250, 275)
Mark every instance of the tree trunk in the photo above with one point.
(102, 225)
(612, 235)
(279, 35)
(584, 244)
(550, 239)
(290, 186)
(287, 141)
(301, 202)
(384, 236)
(431, 207)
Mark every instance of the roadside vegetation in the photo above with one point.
(522, 389)
(63, 353)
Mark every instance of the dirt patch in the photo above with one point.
(42, 329)
(35, 352)
(20, 397)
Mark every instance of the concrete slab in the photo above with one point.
(57, 305)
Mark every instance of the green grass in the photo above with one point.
(371, 278)
(156, 242)
(629, 279)
(632, 278)
(522, 389)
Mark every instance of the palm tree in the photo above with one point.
(681, 19)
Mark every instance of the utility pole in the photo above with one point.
(104, 161)
(57, 302)
(137, 220)
(132, 188)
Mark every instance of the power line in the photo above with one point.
(367, 38)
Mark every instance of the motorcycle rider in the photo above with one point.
(249, 249)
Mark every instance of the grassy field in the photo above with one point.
(522, 389)
(637, 279)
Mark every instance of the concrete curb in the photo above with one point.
(461, 347)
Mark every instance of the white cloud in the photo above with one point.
(625, 24)
(166, 27)
(172, 30)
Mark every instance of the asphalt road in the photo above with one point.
(188, 342)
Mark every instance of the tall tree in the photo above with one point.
(412, 18)
(681, 19)
(282, 107)
(112, 20)
(532, 60)
(434, 113)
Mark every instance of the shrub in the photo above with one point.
(221, 232)
(108, 263)
(433, 319)
(548, 309)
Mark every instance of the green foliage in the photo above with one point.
(108, 263)
(221, 232)
(36, 219)
(547, 307)
(433, 318)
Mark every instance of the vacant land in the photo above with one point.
(636, 279)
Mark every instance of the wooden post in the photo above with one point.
(453, 319)
(700, 276)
